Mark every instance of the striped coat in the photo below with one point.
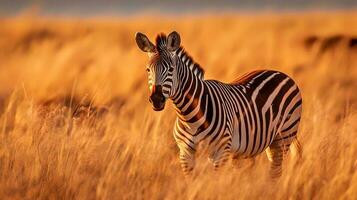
(258, 112)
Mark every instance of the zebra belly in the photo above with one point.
(239, 143)
(240, 150)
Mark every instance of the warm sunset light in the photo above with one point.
(94, 106)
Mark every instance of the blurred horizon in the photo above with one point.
(82, 8)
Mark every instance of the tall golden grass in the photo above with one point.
(76, 122)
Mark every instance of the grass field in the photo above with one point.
(76, 123)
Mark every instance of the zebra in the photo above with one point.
(259, 111)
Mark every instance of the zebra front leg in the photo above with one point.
(187, 161)
(187, 146)
(187, 153)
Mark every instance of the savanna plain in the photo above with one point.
(76, 123)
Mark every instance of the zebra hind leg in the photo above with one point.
(221, 157)
(220, 161)
(280, 146)
(275, 154)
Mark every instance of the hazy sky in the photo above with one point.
(119, 7)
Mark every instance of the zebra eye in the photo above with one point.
(147, 69)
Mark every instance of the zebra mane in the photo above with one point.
(188, 60)
(161, 42)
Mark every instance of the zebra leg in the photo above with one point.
(187, 161)
(275, 153)
(222, 155)
(187, 150)
(275, 156)
(280, 146)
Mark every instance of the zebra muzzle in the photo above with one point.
(157, 99)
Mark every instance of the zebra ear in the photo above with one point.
(173, 41)
(144, 43)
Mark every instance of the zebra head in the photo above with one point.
(161, 67)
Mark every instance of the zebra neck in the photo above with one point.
(188, 98)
